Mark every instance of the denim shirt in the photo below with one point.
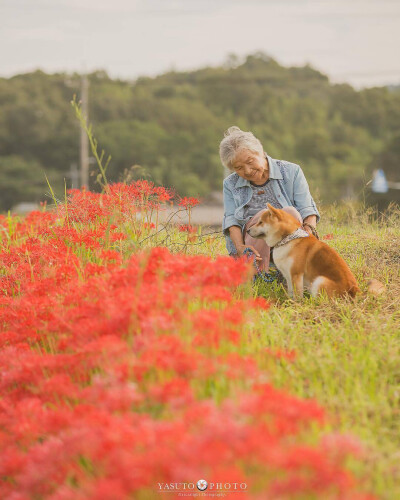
(288, 183)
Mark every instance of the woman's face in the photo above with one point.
(251, 166)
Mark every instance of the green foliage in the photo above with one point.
(171, 125)
(16, 171)
(389, 157)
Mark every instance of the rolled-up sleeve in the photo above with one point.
(303, 201)
(229, 210)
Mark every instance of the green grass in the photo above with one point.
(348, 352)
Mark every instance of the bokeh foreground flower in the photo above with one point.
(122, 370)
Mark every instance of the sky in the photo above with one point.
(351, 41)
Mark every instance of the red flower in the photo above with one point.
(122, 371)
(187, 228)
(281, 354)
(188, 202)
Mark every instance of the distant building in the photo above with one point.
(383, 192)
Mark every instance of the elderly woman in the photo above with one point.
(258, 179)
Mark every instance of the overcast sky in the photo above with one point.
(350, 40)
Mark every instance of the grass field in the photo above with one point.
(348, 352)
(121, 358)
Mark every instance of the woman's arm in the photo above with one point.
(235, 233)
(303, 200)
(231, 226)
(229, 210)
(312, 220)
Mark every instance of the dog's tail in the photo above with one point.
(375, 287)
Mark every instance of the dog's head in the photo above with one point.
(273, 225)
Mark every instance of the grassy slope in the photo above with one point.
(348, 353)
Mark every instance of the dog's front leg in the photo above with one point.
(289, 282)
(289, 285)
(297, 285)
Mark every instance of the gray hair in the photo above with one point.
(234, 141)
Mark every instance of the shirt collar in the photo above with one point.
(274, 173)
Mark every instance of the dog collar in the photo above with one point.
(299, 233)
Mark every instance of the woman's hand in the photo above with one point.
(235, 232)
(308, 229)
(311, 220)
(240, 249)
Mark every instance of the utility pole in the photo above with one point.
(74, 176)
(84, 138)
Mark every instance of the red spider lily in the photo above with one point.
(121, 372)
(327, 236)
(188, 202)
(280, 354)
(187, 228)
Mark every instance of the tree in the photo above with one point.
(24, 180)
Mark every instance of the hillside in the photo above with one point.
(171, 126)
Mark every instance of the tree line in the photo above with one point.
(168, 128)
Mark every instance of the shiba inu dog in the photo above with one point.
(304, 261)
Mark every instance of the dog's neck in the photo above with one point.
(272, 239)
(277, 233)
(298, 233)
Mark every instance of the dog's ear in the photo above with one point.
(265, 215)
(273, 211)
